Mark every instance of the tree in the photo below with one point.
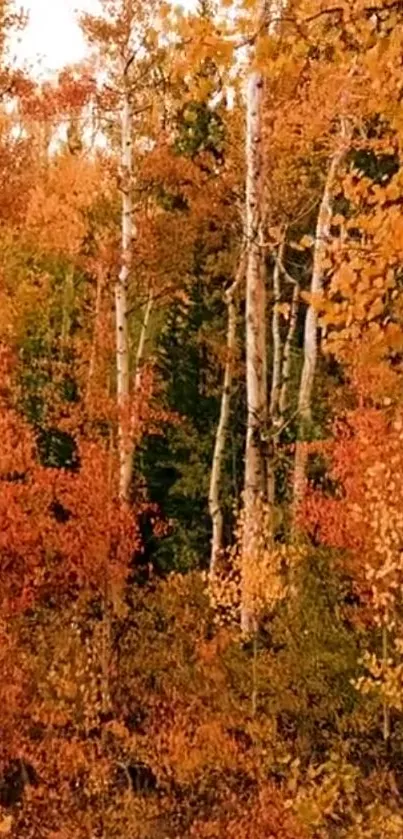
(258, 478)
(322, 237)
(122, 35)
(215, 489)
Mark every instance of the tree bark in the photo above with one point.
(259, 486)
(311, 335)
(138, 369)
(121, 305)
(142, 341)
(256, 465)
(95, 335)
(214, 498)
(277, 347)
(284, 400)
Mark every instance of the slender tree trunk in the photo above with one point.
(281, 364)
(121, 306)
(277, 347)
(256, 363)
(214, 499)
(259, 474)
(284, 400)
(142, 341)
(256, 471)
(138, 368)
(311, 333)
(94, 342)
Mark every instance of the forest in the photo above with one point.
(201, 425)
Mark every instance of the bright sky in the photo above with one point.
(53, 36)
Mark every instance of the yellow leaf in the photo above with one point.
(284, 310)
(307, 241)
(6, 824)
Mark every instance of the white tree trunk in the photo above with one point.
(95, 335)
(256, 473)
(214, 498)
(277, 347)
(138, 366)
(142, 341)
(259, 474)
(256, 364)
(121, 306)
(311, 333)
(284, 400)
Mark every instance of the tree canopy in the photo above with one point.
(201, 424)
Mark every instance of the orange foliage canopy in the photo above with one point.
(62, 531)
(362, 513)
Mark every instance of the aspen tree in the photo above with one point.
(258, 480)
(276, 337)
(288, 353)
(121, 37)
(215, 506)
(305, 394)
(122, 281)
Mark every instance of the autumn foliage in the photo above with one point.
(201, 335)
